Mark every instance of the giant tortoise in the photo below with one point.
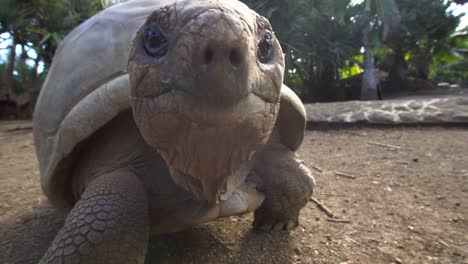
(157, 115)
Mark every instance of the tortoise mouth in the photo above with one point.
(208, 110)
(209, 101)
(204, 142)
(208, 98)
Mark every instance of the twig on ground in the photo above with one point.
(383, 145)
(224, 245)
(337, 220)
(317, 168)
(402, 162)
(443, 243)
(18, 128)
(323, 208)
(345, 175)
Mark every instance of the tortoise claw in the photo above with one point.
(276, 226)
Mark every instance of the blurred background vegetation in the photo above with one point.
(335, 49)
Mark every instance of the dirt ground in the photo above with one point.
(406, 202)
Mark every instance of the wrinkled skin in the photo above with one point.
(200, 142)
(208, 103)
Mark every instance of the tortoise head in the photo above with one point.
(206, 82)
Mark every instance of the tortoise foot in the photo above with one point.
(287, 185)
(107, 225)
(269, 224)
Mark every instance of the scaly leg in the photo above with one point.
(287, 185)
(109, 224)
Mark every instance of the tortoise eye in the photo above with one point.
(265, 48)
(154, 41)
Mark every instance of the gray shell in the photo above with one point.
(88, 85)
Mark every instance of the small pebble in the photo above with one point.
(298, 251)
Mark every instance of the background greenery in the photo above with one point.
(332, 47)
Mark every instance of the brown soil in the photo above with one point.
(405, 205)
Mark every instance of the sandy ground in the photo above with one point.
(407, 203)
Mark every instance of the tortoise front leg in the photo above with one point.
(109, 224)
(287, 185)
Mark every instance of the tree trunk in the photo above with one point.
(398, 70)
(325, 90)
(9, 72)
(22, 67)
(370, 80)
(24, 98)
(422, 69)
(36, 67)
(423, 61)
(287, 59)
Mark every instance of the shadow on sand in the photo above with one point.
(26, 237)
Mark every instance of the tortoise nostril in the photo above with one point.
(208, 56)
(235, 58)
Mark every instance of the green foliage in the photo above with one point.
(296, 82)
(384, 58)
(321, 39)
(107, 3)
(424, 33)
(58, 17)
(352, 67)
(387, 14)
(37, 26)
(450, 65)
(316, 36)
(42, 24)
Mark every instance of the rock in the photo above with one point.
(381, 117)
(297, 251)
(460, 117)
(462, 101)
(444, 85)
(415, 105)
(401, 108)
(433, 117)
(357, 116)
(428, 111)
(409, 117)
(387, 108)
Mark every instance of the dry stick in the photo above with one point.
(336, 220)
(17, 128)
(221, 243)
(322, 207)
(443, 243)
(317, 168)
(345, 175)
(383, 145)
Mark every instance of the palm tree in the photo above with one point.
(316, 37)
(15, 19)
(37, 25)
(385, 13)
